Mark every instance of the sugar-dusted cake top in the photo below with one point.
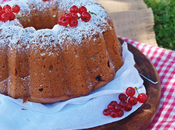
(97, 23)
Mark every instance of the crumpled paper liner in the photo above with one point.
(78, 113)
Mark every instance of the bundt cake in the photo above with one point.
(44, 62)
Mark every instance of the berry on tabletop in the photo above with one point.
(122, 97)
(114, 103)
(110, 107)
(142, 97)
(120, 113)
(132, 100)
(128, 107)
(130, 91)
(127, 101)
(114, 113)
(106, 112)
(117, 107)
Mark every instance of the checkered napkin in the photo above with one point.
(164, 62)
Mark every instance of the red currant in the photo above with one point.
(60, 20)
(114, 103)
(120, 113)
(65, 21)
(122, 97)
(73, 22)
(12, 17)
(85, 16)
(110, 107)
(74, 16)
(8, 11)
(117, 107)
(82, 9)
(113, 113)
(74, 9)
(1, 12)
(106, 112)
(0, 7)
(130, 91)
(142, 97)
(5, 17)
(7, 7)
(67, 16)
(15, 9)
(132, 100)
(122, 104)
(128, 107)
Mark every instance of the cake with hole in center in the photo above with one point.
(43, 61)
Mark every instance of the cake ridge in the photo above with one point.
(83, 27)
(48, 62)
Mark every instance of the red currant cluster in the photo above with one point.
(8, 13)
(47, 0)
(71, 18)
(126, 102)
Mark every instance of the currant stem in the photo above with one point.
(136, 90)
(21, 16)
(92, 13)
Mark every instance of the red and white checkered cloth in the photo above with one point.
(164, 62)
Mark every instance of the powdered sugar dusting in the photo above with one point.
(51, 41)
(8, 35)
(85, 30)
(25, 36)
(10, 23)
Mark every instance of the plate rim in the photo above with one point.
(147, 112)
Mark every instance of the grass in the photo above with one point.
(164, 18)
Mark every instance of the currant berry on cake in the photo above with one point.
(85, 16)
(82, 9)
(73, 16)
(10, 13)
(15, 9)
(74, 9)
(73, 22)
(60, 50)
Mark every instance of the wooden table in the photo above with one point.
(132, 19)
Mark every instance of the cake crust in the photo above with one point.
(44, 62)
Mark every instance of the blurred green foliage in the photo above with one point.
(164, 18)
